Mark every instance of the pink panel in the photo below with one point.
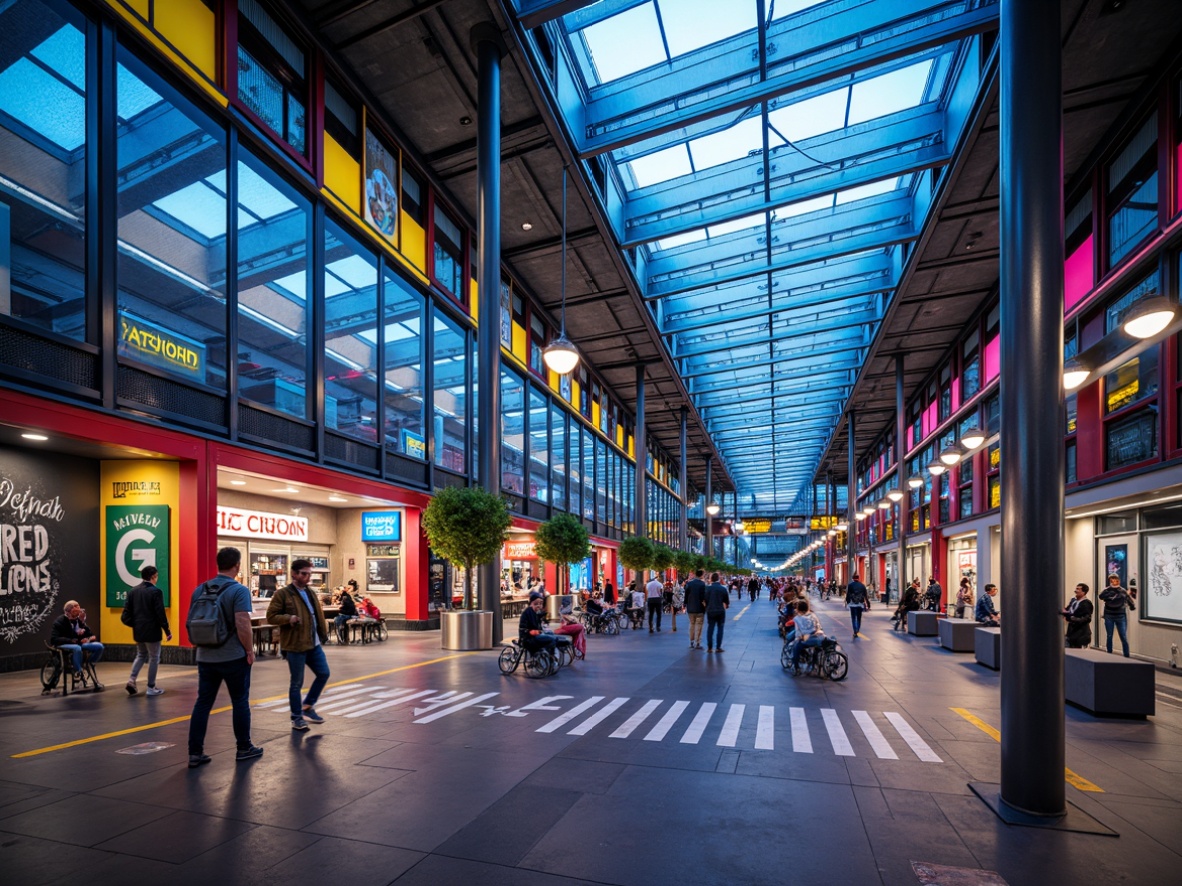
(956, 393)
(1077, 274)
(992, 358)
(1178, 178)
(929, 419)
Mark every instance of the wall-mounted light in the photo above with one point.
(915, 481)
(860, 516)
(895, 494)
(884, 504)
(1149, 316)
(951, 455)
(842, 527)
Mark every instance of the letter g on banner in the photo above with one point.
(145, 556)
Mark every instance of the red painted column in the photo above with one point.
(417, 565)
(550, 577)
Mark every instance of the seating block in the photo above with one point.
(958, 634)
(1110, 685)
(988, 647)
(922, 623)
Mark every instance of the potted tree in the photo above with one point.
(562, 540)
(636, 553)
(466, 525)
(684, 562)
(662, 558)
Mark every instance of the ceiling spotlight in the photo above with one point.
(951, 455)
(40, 438)
(560, 355)
(1075, 373)
(972, 439)
(286, 489)
(465, 120)
(895, 494)
(936, 469)
(1149, 316)
(237, 482)
(915, 481)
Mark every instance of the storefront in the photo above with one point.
(962, 564)
(919, 562)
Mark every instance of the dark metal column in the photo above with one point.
(1032, 730)
(734, 531)
(641, 447)
(683, 528)
(706, 507)
(489, 47)
(901, 479)
(851, 501)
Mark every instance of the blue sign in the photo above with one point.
(381, 526)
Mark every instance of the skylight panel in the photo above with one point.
(662, 166)
(43, 103)
(293, 284)
(813, 204)
(692, 24)
(257, 195)
(625, 43)
(738, 224)
(65, 52)
(811, 117)
(197, 206)
(682, 239)
(135, 96)
(730, 144)
(889, 93)
(885, 186)
(785, 8)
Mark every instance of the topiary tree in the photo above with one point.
(466, 524)
(662, 558)
(683, 562)
(636, 553)
(562, 540)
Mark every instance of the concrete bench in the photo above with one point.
(1109, 685)
(987, 645)
(958, 634)
(922, 623)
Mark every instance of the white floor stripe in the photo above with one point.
(368, 708)
(558, 722)
(629, 725)
(765, 731)
(802, 743)
(440, 701)
(355, 697)
(917, 744)
(729, 736)
(658, 732)
(837, 737)
(877, 740)
(448, 711)
(698, 725)
(599, 716)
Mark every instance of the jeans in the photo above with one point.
(210, 676)
(654, 606)
(95, 651)
(856, 618)
(315, 660)
(695, 620)
(1121, 623)
(814, 640)
(715, 622)
(149, 652)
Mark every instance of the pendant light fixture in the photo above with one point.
(560, 355)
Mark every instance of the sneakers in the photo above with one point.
(311, 716)
(131, 690)
(153, 691)
(298, 724)
(196, 760)
(247, 753)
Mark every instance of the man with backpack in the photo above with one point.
(219, 626)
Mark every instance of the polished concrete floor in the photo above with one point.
(648, 763)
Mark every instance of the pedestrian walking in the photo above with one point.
(718, 601)
(695, 607)
(302, 634)
(654, 593)
(143, 612)
(856, 599)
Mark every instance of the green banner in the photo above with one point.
(137, 536)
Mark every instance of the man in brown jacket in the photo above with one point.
(302, 632)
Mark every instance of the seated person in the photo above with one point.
(71, 632)
(808, 631)
(636, 612)
(348, 608)
(531, 629)
(909, 603)
(593, 606)
(571, 626)
(986, 613)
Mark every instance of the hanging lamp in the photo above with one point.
(560, 355)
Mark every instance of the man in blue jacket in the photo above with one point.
(718, 601)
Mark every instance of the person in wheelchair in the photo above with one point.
(571, 626)
(71, 633)
(808, 632)
(531, 629)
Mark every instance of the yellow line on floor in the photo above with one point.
(740, 615)
(1073, 779)
(159, 723)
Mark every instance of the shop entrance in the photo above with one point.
(1116, 555)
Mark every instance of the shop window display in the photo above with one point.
(512, 433)
(558, 436)
(539, 446)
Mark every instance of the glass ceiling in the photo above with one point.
(770, 175)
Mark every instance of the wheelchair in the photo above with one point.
(59, 667)
(539, 662)
(603, 622)
(826, 661)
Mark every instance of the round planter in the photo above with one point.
(465, 630)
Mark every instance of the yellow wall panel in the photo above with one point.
(555, 380)
(342, 174)
(140, 6)
(619, 436)
(205, 79)
(574, 394)
(414, 241)
(191, 27)
(474, 301)
(595, 414)
(631, 447)
(520, 350)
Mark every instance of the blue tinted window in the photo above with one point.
(350, 336)
(403, 376)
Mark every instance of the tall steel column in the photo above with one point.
(734, 530)
(705, 508)
(851, 501)
(901, 479)
(683, 527)
(1032, 569)
(489, 47)
(641, 448)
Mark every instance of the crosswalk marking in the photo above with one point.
(599, 716)
(629, 726)
(467, 703)
(917, 744)
(877, 740)
(329, 696)
(367, 708)
(765, 730)
(729, 736)
(658, 732)
(802, 743)
(837, 737)
(559, 722)
(698, 725)
(337, 702)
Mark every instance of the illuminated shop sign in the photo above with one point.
(240, 523)
(143, 340)
(381, 526)
(520, 550)
(414, 445)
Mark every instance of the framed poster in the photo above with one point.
(381, 188)
(1161, 598)
(382, 575)
(1116, 562)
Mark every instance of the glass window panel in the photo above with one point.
(1135, 217)
(450, 394)
(1131, 440)
(449, 257)
(588, 475)
(558, 434)
(512, 433)
(172, 300)
(350, 336)
(625, 43)
(539, 446)
(601, 481)
(1131, 382)
(404, 368)
(43, 167)
(888, 93)
(576, 467)
(660, 166)
(273, 278)
(813, 116)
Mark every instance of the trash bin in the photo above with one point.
(465, 630)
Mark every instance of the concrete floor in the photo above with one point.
(647, 763)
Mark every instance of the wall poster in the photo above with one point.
(381, 187)
(1116, 562)
(1161, 598)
